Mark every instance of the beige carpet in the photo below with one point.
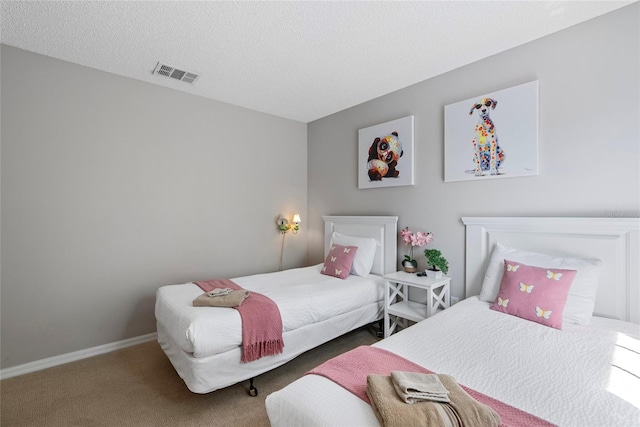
(138, 386)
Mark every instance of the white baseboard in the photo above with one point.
(50, 362)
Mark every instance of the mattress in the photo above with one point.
(578, 376)
(303, 295)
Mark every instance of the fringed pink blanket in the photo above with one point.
(350, 371)
(261, 321)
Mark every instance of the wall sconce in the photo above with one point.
(284, 226)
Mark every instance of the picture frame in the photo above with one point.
(498, 140)
(386, 154)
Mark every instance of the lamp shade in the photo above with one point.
(296, 219)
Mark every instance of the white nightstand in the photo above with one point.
(397, 304)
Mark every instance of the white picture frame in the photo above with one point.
(392, 164)
(513, 120)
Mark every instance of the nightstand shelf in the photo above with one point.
(398, 310)
(409, 310)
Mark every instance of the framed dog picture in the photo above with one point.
(494, 135)
(385, 154)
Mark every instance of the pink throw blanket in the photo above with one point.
(350, 370)
(261, 321)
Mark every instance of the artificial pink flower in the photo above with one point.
(406, 235)
(419, 238)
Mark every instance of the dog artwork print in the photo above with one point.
(487, 153)
(492, 135)
(385, 154)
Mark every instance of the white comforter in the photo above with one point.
(303, 295)
(578, 376)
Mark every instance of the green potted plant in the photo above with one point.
(439, 264)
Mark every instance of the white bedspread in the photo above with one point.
(303, 295)
(579, 376)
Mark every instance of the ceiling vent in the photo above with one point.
(174, 73)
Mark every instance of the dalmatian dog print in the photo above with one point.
(487, 153)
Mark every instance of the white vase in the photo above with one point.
(436, 274)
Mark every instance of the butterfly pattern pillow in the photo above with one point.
(363, 261)
(534, 293)
(339, 261)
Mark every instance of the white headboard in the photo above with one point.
(384, 229)
(614, 241)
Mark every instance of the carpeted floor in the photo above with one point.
(138, 386)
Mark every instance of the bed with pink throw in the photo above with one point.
(206, 344)
(585, 374)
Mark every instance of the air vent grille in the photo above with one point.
(174, 73)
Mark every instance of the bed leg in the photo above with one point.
(253, 392)
(380, 333)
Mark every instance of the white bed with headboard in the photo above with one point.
(579, 375)
(614, 241)
(204, 343)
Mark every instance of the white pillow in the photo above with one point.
(582, 294)
(365, 255)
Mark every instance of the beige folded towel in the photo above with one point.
(461, 411)
(415, 387)
(232, 299)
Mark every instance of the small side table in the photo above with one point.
(397, 304)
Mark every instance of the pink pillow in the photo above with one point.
(534, 293)
(339, 260)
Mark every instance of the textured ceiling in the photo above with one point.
(301, 60)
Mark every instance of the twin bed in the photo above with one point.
(204, 343)
(580, 375)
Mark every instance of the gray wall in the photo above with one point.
(112, 187)
(588, 140)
